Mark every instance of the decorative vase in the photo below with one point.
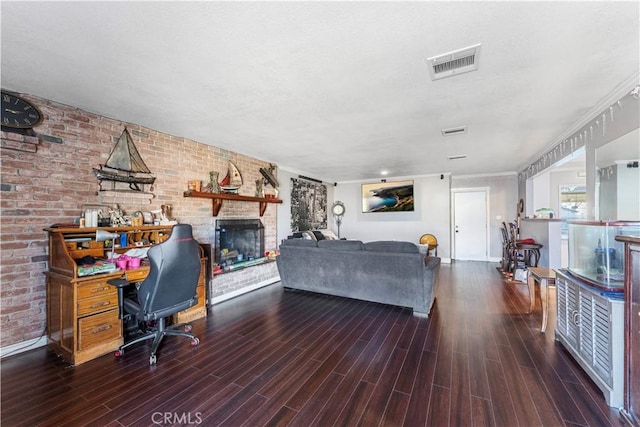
(213, 182)
(259, 188)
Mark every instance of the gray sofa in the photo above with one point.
(387, 272)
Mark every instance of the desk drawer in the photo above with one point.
(97, 304)
(96, 288)
(137, 275)
(98, 329)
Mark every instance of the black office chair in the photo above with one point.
(169, 288)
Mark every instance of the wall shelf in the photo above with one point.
(218, 198)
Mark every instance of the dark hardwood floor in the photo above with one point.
(275, 358)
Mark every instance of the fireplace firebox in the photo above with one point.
(238, 240)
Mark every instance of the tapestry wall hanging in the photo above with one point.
(308, 205)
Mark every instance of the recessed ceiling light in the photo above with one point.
(454, 131)
(462, 156)
(383, 173)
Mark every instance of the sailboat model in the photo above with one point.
(232, 181)
(125, 165)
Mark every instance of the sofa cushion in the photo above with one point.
(300, 242)
(328, 234)
(308, 235)
(341, 245)
(390, 246)
(318, 235)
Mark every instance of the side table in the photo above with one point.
(546, 277)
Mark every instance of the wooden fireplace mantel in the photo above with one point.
(217, 198)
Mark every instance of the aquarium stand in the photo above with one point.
(590, 325)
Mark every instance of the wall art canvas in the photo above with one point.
(308, 205)
(387, 197)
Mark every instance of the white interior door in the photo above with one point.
(470, 225)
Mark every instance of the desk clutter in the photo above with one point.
(93, 216)
(89, 265)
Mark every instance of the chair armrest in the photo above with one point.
(119, 283)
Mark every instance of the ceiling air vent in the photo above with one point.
(463, 156)
(454, 63)
(454, 131)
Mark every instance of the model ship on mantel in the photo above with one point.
(125, 165)
(232, 181)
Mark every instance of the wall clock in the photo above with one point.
(338, 209)
(19, 115)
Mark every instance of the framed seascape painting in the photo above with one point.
(387, 197)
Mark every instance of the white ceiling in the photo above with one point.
(338, 91)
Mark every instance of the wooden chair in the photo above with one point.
(506, 248)
(522, 253)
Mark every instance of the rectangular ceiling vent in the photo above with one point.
(454, 63)
(463, 156)
(454, 131)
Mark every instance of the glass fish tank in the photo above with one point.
(594, 254)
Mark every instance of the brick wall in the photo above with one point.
(48, 178)
(228, 284)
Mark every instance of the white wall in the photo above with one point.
(620, 193)
(608, 195)
(432, 210)
(541, 196)
(431, 214)
(628, 193)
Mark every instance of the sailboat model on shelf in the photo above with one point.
(125, 165)
(232, 181)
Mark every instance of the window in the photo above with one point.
(573, 203)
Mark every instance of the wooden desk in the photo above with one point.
(546, 277)
(82, 311)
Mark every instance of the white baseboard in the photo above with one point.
(448, 260)
(23, 346)
(247, 289)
